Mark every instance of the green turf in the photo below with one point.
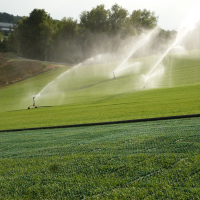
(144, 104)
(90, 94)
(148, 160)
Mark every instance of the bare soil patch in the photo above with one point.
(13, 70)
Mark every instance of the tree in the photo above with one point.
(40, 37)
(34, 34)
(64, 39)
(12, 43)
(65, 28)
(5, 17)
(117, 18)
(143, 19)
(96, 20)
(3, 45)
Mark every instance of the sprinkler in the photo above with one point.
(146, 86)
(33, 104)
(113, 75)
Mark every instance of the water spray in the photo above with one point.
(76, 67)
(187, 24)
(145, 38)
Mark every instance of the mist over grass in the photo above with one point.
(107, 76)
(150, 74)
(96, 81)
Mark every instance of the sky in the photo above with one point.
(170, 12)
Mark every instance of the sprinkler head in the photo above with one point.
(113, 75)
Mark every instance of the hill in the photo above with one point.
(13, 70)
(90, 94)
(146, 160)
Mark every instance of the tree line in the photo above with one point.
(99, 30)
(7, 18)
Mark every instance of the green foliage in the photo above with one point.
(99, 31)
(13, 44)
(119, 22)
(64, 41)
(117, 17)
(143, 19)
(95, 20)
(5, 17)
(148, 160)
(34, 35)
(65, 29)
(4, 45)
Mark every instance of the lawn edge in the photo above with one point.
(106, 123)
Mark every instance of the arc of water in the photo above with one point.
(188, 23)
(136, 46)
(75, 67)
(56, 79)
(165, 53)
(163, 56)
(36, 96)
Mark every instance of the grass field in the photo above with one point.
(145, 104)
(90, 94)
(147, 160)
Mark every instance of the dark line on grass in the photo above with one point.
(31, 108)
(107, 123)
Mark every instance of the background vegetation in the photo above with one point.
(98, 31)
(9, 18)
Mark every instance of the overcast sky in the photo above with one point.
(170, 12)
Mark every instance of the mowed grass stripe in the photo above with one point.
(150, 160)
(144, 104)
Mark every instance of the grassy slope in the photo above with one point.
(12, 94)
(145, 104)
(150, 160)
(90, 95)
(13, 70)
